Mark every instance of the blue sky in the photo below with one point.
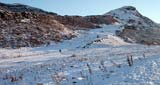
(149, 8)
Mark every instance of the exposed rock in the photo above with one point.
(21, 29)
(101, 19)
(134, 34)
(75, 22)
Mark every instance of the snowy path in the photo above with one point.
(83, 61)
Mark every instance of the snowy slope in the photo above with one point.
(129, 15)
(95, 57)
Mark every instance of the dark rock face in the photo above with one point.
(143, 36)
(101, 19)
(75, 22)
(79, 22)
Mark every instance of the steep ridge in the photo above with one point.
(130, 15)
(16, 7)
(137, 28)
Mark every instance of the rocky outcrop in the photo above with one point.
(21, 29)
(133, 34)
(79, 22)
(101, 19)
(76, 22)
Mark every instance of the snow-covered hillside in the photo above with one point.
(26, 26)
(75, 50)
(130, 15)
(94, 57)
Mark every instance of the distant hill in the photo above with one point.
(130, 15)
